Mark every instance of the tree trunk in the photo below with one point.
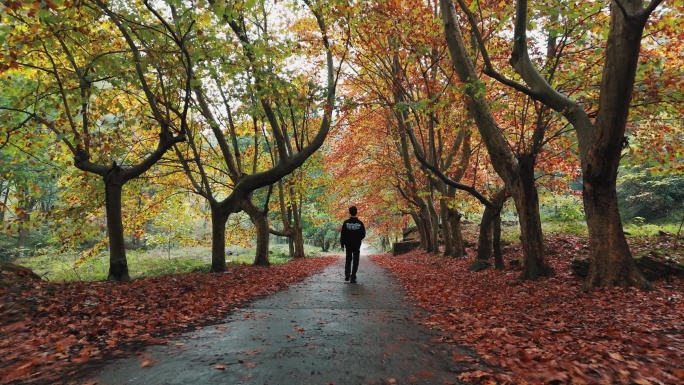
(218, 239)
(421, 230)
(291, 247)
(118, 266)
(298, 242)
(447, 234)
(484, 241)
(4, 204)
(611, 262)
(496, 242)
(427, 228)
(261, 226)
(527, 204)
(456, 233)
(260, 220)
(434, 224)
(487, 236)
(23, 229)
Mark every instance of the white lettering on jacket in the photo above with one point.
(353, 226)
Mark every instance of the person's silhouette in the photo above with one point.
(351, 235)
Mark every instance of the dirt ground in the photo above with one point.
(320, 331)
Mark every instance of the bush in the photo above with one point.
(652, 197)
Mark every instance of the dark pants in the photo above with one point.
(352, 256)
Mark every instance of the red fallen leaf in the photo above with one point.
(247, 364)
(461, 358)
(220, 367)
(426, 374)
(147, 363)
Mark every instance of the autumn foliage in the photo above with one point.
(49, 330)
(547, 331)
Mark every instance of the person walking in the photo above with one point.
(351, 235)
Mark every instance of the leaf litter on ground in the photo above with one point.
(547, 331)
(50, 330)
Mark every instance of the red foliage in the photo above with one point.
(548, 331)
(48, 329)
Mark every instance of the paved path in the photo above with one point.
(320, 331)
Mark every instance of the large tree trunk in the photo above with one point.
(611, 262)
(527, 205)
(218, 239)
(118, 266)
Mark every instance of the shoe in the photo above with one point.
(353, 280)
(346, 278)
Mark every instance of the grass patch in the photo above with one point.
(638, 229)
(55, 266)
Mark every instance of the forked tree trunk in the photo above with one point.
(611, 262)
(118, 266)
(487, 235)
(260, 220)
(218, 239)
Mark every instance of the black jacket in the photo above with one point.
(352, 233)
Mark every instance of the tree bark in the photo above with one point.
(611, 262)
(456, 233)
(260, 220)
(421, 230)
(447, 233)
(527, 206)
(484, 240)
(218, 238)
(496, 242)
(298, 243)
(118, 266)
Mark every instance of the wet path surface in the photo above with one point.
(320, 331)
